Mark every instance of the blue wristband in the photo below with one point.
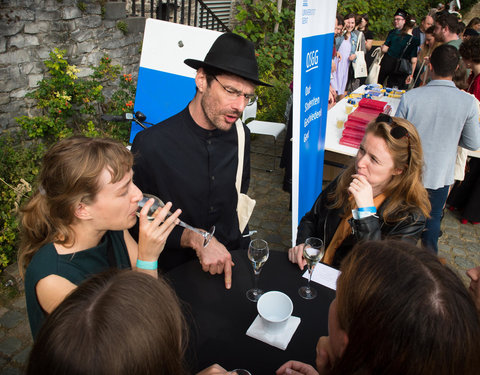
(371, 209)
(144, 265)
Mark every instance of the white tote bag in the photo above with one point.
(360, 65)
(375, 67)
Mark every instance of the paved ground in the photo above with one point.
(459, 244)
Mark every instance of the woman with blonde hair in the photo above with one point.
(75, 225)
(379, 196)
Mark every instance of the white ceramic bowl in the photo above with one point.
(275, 308)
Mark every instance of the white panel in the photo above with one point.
(166, 45)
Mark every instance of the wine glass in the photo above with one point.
(258, 255)
(313, 251)
(158, 203)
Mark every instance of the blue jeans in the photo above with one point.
(437, 199)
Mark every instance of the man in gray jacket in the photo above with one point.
(445, 118)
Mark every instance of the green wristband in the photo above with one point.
(144, 265)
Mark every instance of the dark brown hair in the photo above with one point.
(470, 49)
(118, 323)
(404, 313)
(445, 60)
(70, 174)
(405, 191)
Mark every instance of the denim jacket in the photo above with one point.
(353, 41)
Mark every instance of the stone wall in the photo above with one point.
(31, 29)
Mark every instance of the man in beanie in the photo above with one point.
(191, 158)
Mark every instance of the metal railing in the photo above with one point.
(187, 12)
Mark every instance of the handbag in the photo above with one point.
(404, 65)
(372, 77)
(245, 204)
(360, 64)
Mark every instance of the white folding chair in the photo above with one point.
(272, 129)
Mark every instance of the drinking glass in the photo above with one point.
(258, 255)
(313, 251)
(158, 203)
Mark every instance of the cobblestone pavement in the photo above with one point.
(459, 245)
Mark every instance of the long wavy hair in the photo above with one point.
(119, 323)
(405, 191)
(404, 313)
(69, 175)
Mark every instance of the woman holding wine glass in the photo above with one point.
(75, 225)
(380, 195)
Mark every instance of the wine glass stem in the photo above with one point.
(255, 280)
(187, 226)
(309, 277)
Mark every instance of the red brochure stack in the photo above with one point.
(368, 110)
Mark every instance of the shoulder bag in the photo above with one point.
(245, 204)
(404, 65)
(360, 65)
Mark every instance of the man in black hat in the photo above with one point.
(191, 158)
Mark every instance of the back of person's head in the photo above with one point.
(445, 60)
(404, 313)
(339, 19)
(470, 49)
(410, 22)
(70, 174)
(460, 76)
(119, 323)
(445, 19)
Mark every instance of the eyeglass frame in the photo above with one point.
(250, 98)
(397, 131)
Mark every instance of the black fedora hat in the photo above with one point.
(232, 54)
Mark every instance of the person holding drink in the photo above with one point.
(380, 195)
(75, 225)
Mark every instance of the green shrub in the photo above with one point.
(274, 50)
(71, 105)
(19, 165)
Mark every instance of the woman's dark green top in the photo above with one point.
(74, 267)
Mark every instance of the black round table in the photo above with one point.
(219, 318)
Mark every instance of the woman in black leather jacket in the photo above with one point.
(380, 195)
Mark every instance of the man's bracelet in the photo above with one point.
(144, 265)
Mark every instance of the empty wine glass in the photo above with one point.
(258, 255)
(313, 251)
(158, 203)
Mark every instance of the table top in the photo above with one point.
(338, 112)
(220, 318)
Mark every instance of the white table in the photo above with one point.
(338, 112)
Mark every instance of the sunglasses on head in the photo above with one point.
(397, 131)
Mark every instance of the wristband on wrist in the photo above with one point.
(144, 265)
(371, 209)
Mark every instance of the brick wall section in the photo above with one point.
(31, 29)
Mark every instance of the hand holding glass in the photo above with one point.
(258, 255)
(158, 203)
(313, 251)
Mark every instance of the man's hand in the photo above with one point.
(214, 258)
(295, 255)
(296, 368)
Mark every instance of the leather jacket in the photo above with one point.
(322, 222)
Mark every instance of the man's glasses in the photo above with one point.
(397, 131)
(234, 94)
